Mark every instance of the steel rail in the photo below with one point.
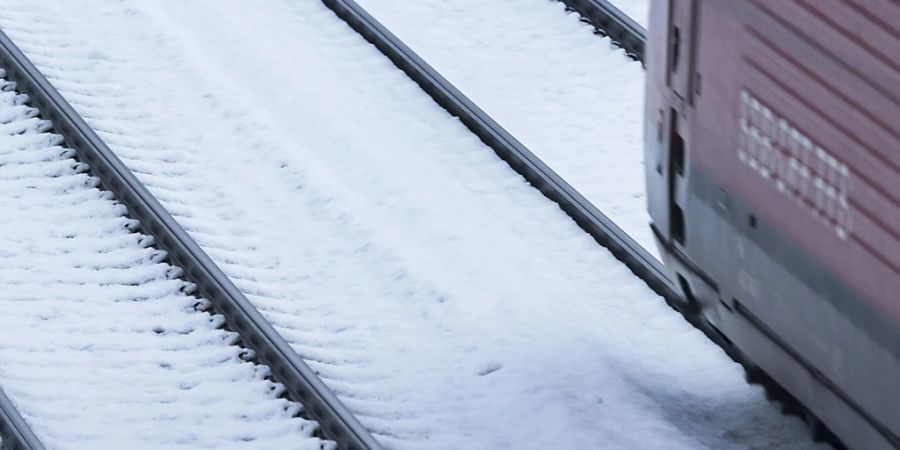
(612, 22)
(16, 433)
(301, 382)
(522, 160)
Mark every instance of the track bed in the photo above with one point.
(566, 94)
(100, 346)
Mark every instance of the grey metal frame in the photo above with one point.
(614, 23)
(588, 217)
(303, 385)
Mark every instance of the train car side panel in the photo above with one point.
(788, 196)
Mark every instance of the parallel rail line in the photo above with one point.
(539, 174)
(301, 382)
(257, 334)
(526, 163)
(612, 22)
(644, 265)
(630, 36)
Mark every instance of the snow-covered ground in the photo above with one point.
(446, 301)
(99, 349)
(571, 98)
(638, 10)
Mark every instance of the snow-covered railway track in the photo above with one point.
(607, 20)
(380, 237)
(99, 341)
(520, 158)
(103, 341)
(610, 21)
(626, 33)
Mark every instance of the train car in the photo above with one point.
(773, 174)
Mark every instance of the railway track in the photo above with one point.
(96, 326)
(600, 227)
(15, 433)
(610, 21)
(526, 163)
(607, 20)
(197, 280)
(539, 174)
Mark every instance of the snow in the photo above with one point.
(571, 98)
(446, 301)
(99, 347)
(637, 10)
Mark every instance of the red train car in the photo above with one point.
(773, 176)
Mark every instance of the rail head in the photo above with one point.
(301, 382)
(522, 160)
(16, 433)
(620, 28)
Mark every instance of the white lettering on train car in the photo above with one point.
(795, 165)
